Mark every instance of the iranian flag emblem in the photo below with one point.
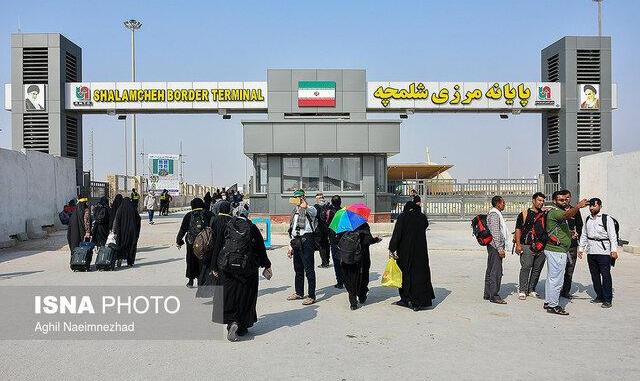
(316, 94)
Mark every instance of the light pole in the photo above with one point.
(126, 170)
(508, 149)
(133, 25)
(599, 17)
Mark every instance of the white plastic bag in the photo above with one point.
(111, 238)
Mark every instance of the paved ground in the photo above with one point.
(463, 337)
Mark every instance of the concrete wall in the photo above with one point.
(614, 179)
(35, 186)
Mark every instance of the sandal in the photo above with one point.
(308, 301)
(294, 297)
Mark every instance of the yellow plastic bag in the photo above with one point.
(392, 276)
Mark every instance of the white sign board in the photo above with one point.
(163, 173)
(462, 96)
(169, 96)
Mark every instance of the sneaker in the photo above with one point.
(362, 299)
(522, 296)
(190, 283)
(545, 306)
(498, 301)
(596, 300)
(533, 294)
(242, 331)
(606, 305)
(557, 310)
(232, 332)
(354, 307)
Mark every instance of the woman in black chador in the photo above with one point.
(126, 227)
(192, 223)
(409, 243)
(356, 275)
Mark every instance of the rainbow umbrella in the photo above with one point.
(349, 220)
(360, 209)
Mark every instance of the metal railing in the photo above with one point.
(447, 199)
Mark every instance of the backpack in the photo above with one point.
(539, 235)
(480, 230)
(99, 214)
(616, 227)
(64, 218)
(315, 232)
(350, 248)
(236, 255)
(196, 224)
(203, 243)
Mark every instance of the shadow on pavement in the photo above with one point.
(17, 274)
(271, 290)
(158, 262)
(151, 248)
(271, 322)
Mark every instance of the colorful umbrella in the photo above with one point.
(360, 209)
(349, 220)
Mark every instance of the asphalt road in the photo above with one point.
(462, 337)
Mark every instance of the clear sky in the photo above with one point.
(487, 40)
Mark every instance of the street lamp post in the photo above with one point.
(126, 170)
(508, 149)
(133, 26)
(599, 17)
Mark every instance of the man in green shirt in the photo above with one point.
(556, 250)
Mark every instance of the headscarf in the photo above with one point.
(197, 203)
(242, 211)
(104, 201)
(117, 201)
(224, 207)
(207, 197)
(126, 229)
(410, 206)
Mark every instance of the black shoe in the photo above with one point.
(242, 331)
(339, 285)
(486, 298)
(606, 305)
(416, 308)
(545, 306)
(232, 332)
(354, 307)
(324, 266)
(362, 299)
(402, 303)
(119, 263)
(498, 301)
(190, 283)
(597, 300)
(557, 310)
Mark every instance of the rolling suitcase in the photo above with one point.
(106, 259)
(81, 257)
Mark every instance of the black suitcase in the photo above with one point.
(81, 257)
(106, 259)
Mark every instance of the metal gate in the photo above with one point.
(449, 200)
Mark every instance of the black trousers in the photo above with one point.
(324, 250)
(572, 258)
(303, 265)
(493, 275)
(600, 269)
(356, 278)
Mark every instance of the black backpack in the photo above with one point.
(481, 230)
(196, 225)
(236, 255)
(350, 248)
(616, 227)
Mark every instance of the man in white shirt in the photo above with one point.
(600, 241)
(150, 205)
(302, 226)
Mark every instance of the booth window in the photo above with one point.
(331, 178)
(381, 173)
(311, 173)
(291, 171)
(351, 173)
(339, 174)
(262, 174)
